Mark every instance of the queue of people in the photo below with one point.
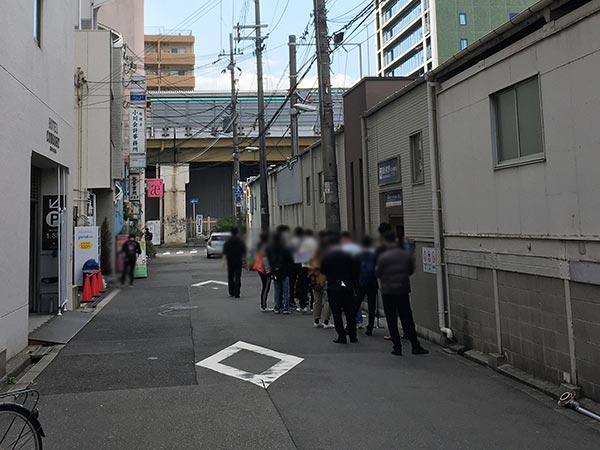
(331, 275)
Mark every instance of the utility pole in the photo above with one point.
(332, 203)
(293, 96)
(234, 124)
(264, 194)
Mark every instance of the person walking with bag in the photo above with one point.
(394, 268)
(261, 266)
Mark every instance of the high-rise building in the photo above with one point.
(169, 61)
(414, 36)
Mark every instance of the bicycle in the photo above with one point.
(20, 428)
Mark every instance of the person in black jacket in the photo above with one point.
(394, 268)
(234, 252)
(339, 266)
(281, 262)
(131, 249)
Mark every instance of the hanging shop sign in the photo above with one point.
(388, 171)
(134, 188)
(156, 188)
(137, 129)
(137, 97)
(137, 161)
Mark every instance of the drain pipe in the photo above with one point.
(567, 400)
(443, 319)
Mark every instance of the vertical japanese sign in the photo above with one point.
(137, 138)
(137, 129)
(134, 187)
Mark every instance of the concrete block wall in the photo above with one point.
(585, 300)
(472, 311)
(534, 324)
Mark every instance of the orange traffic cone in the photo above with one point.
(95, 288)
(86, 296)
(101, 281)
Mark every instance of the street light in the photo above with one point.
(304, 107)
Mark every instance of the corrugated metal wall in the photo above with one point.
(389, 131)
(212, 186)
(304, 214)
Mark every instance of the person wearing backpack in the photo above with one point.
(367, 283)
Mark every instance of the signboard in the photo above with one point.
(388, 171)
(154, 227)
(199, 225)
(137, 97)
(50, 221)
(137, 161)
(393, 198)
(87, 246)
(134, 187)
(429, 260)
(141, 268)
(156, 188)
(194, 200)
(52, 135)
(137, 130)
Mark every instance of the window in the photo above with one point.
(174, 50)
(464, 43)
(416, 156)
(321, 188)
(37, 22)
(462, 18)
(518, 121)
(308, 191)
(400, 25)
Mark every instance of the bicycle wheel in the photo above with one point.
(19, 430)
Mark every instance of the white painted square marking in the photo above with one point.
(264, 379)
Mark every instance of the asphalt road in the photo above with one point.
(129, 380)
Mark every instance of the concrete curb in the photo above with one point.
(29, 377)
(16, 365)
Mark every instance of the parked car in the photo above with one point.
(214, 244)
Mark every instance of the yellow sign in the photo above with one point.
(86, 245)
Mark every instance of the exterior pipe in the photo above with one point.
(365, 174)
(437, 212)
(567, 400)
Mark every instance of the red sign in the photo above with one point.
(156, 188)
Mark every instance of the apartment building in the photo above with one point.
(170, 61)
(415, 36)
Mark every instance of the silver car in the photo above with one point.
(214, 244)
